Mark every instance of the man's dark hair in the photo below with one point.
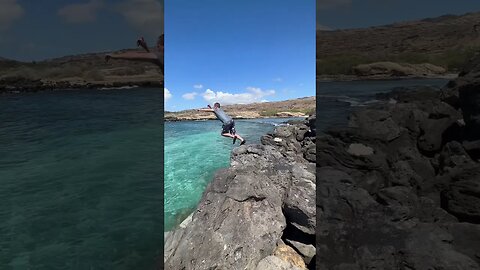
(216, 105)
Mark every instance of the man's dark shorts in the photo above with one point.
(228, 127)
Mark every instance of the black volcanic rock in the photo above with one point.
(469, 95)
(399, 188)
(462, 199)
(464, 94)
(469, 74)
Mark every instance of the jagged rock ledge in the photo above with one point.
(399, 188)
(257, 214)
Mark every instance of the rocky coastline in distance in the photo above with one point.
(83, 71)
(383, 77)
(300, 107)
(23, 85)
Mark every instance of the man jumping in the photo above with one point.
(154, 56)
(228, 127)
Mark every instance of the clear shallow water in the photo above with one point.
(194, 150)
(80, 180)
(336, 100)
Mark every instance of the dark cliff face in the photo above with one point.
(399, 188)
(259, 212)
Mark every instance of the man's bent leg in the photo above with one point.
(228, 135)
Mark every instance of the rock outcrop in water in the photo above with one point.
(399, 188)
(257, 214)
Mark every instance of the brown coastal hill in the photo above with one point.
(289, 108)
(76, 71)
(444, 42)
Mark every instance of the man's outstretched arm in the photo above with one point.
(205, 110)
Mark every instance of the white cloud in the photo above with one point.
(81, 13)
(189, 96)
(166, 94)
(198, 86)
(145, 15)
(252, 95)
(329, 4)
(278, 80)
(10, 11)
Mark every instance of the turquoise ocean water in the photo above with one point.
(81, 180)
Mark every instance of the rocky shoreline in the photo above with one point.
(399, 188)
(24, 85)
(257, 214)
(349, 78)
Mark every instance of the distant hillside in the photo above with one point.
(445, 41)
(289, 108)
(78, 71)
(2, 59)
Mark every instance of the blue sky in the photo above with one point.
(238, 51)
(342, 14)
(36, 30)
